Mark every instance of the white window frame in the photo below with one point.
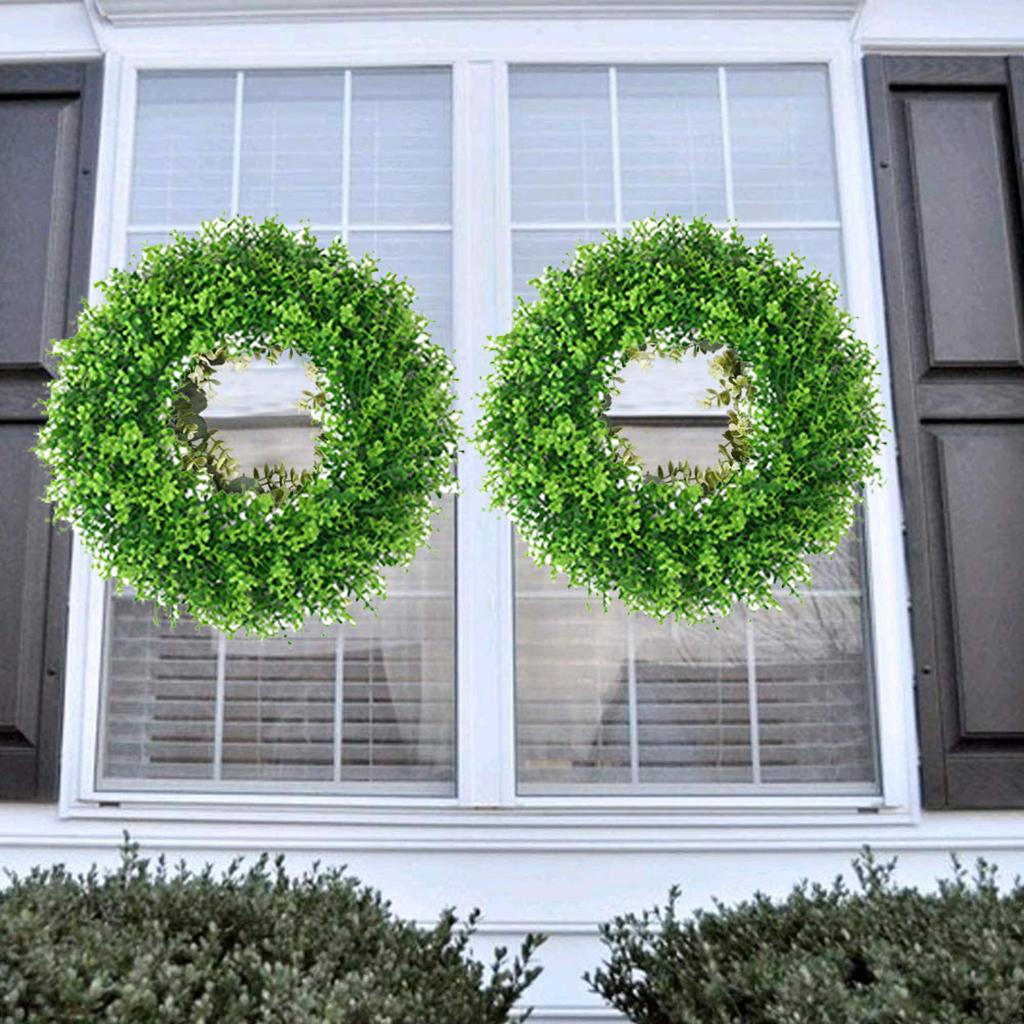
(479, 54)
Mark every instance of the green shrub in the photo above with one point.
(144, 944)
(878, 955)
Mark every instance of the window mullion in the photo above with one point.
(218, 713)
(632, 700)
(339, 703)
(752, 709)
(613, 117)
(484, 648)
(346, 157)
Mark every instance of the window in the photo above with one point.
(613, 702)
(603, 704)
(367, 708)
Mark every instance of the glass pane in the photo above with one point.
(611, 700)
(138, 240)
(670, 132)
(282, 720)
(291, 155)
(345, 707)
(560, 121)
(820, 248)
(781, 140)
(814, 703)
(534, 251)
(401, 147)
(425, 258)
(159, 693)
(664, 387)
(183, 148)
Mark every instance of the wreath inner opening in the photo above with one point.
(248, 421)
(681, 430)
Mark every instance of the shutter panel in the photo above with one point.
(947, 136)
(49, 119)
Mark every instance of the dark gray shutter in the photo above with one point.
(947, 138)
(49, 121)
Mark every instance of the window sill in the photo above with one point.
(529, 823)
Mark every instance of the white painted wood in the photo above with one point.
(888, 583)
(947, 26)
(163, 11)
(45, 30)
(485, 756)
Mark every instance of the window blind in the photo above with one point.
(611, 701)
(333, 707)
(364, 155)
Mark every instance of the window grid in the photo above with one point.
(619, 226)
(339, 707)
(619, 223)
(346, 155)
(723, 115)
(344, 227)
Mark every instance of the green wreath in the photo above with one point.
(154, 495)
(804, 434)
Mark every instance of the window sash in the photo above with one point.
(368, 710)
(633, 715)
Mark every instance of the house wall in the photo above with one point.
(551, 870)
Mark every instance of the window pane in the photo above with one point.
(781, 139)
(560, 123)
(821, 249)
(670, 131)
(401, 147)
(281, 719)
(532, 251)
(810, 658)
(183, 148)
(341, 706)
(425, 258)
(358, 708)
(159, 697)
(610, 701)
(291, 155)
(138, 240)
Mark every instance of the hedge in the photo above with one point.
(148, 945)
(876, 954)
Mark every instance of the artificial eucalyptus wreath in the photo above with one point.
(157, 503)
(804, 421)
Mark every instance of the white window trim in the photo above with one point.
(177, 11)
(479, 55)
